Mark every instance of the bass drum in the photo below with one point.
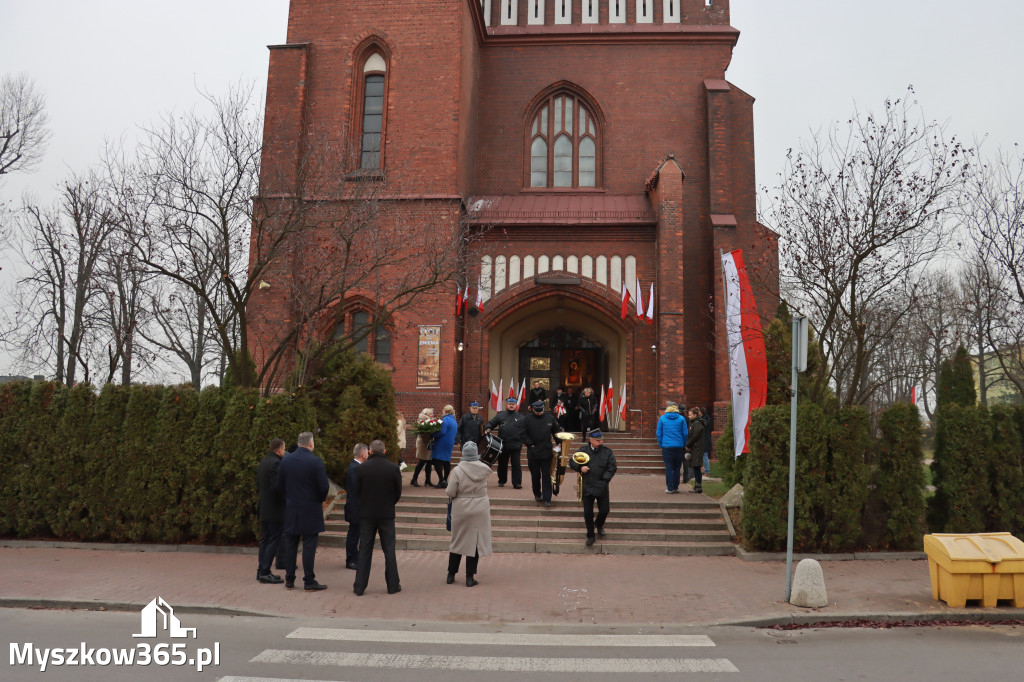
(492, 449)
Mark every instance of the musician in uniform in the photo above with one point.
(510, 430)
(471, 426)
(596, 475)
(540, 429)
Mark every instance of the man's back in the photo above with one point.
(302, 479)
(378, 485)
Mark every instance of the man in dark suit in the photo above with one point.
(378, 485)
(271, 512)
(302, 479)
(352, 506)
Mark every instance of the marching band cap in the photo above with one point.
(474, 404)
(511, 400)
(596, 433)
(537, 403)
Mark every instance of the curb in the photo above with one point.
(811, 619)
(852, 556)
(84, 605)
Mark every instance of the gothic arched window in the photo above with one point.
(563, 142)
(371, 101)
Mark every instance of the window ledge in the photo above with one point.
(364, 174)
(564, 190)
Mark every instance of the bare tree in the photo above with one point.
(179, 324)
(862, 210)
(994, 212)
(937, 327)
(63, 248)
(23, 129)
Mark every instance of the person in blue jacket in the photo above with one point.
(672, 434)
(444, 442)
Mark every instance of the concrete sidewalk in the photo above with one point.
(514, 588)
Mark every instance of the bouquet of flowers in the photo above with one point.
(428, 427)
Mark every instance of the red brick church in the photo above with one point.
(593, 144)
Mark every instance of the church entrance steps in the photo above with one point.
(643, 520)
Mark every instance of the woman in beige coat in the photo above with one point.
(471, 513)
(422, 451)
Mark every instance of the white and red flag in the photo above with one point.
(512, 387)
(600, 406)
(458, 300)
(479, 294)
(622, 403)
(625, 300)
(609, 400)
(639, 301)
(748, 363)
(559, 409)
(650, 307)
(913, 395)
(522, 394)
(495, 397)
(465, 298)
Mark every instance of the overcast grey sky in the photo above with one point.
(106, 66)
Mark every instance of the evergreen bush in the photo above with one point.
(1006, 472)
(962, 486)
(899, 478)
(766, 480)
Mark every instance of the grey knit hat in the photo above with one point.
(470, 453)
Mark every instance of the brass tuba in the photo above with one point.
(561, 460)
(580, 458)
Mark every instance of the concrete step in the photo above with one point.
(609, 545)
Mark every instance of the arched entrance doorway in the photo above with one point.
(558, 340)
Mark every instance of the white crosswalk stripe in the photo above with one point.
(499, 638)
(507, 664)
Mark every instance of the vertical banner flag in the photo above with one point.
(522, 394)
(600, 406)
(913, 395)
(609, 406)
(479, 294)
(465, 298)
(625, 300)
(639, 301)
(512, 387)
(495, 397)
(498, 406)
(650, 306)
(622, 403)
(458, 300)
(748, 363)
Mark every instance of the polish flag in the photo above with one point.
(913, 395)
(601, 406)
(650, 306)
(522, 394)
(639, 301)
(465, 298)
(748, 364)
(625, 300)
(512, 387)
(479, 294)
(608, 408)
(622, 403)
(559, 409)
(458, 300)
(495, 397)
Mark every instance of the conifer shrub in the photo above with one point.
(898, 480)
(766, 480)
(840, 504)
(141, 495)
(14, 407)
(1006, 472)
(201, 468)
(168, 521)
(69, 513)
(233, 466)
(962, 485)
(37, 474)
(105, 468)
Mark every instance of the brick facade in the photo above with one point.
(674, 138)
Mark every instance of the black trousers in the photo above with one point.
(540, 476)
(291, 550)
(270, 542)
(603, 505)
(352, 542)
(369, 529)
(510, 455)
(419, 467)
(443, 469)
(455, 559)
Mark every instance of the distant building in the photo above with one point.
(1001, 391)
(8, 379)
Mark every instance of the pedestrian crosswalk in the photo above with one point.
(577, 654)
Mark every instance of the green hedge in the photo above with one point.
(139, 464)
(899, 478)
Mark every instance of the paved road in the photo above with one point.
(254, 649)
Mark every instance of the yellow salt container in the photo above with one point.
(985, 566)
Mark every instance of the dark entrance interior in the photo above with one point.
(563, 357)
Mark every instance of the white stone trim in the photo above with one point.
(485, 278)
(528, 267)
(617, 11)
(563, 11)
(500, 274)
(534, 12)
(671, 13)
(591, 11)
(572, 264)
(509, 12)
(602, 270)
(645, 11)
(513, 270)
(615, 270)
(486, 5)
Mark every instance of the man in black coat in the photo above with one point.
(588, 407)
(539, 430)
(471, 426)
(302, 479)
(596, 475)
(561, 414)
(510, 430)
(537, 393)
(271, 512)
(378, 485)
(352, 506)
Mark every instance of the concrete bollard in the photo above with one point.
(808, 585)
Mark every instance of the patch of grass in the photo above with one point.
(715, 489)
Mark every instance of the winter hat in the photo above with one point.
(470, 453)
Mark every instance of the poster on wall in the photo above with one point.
(428, 368)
